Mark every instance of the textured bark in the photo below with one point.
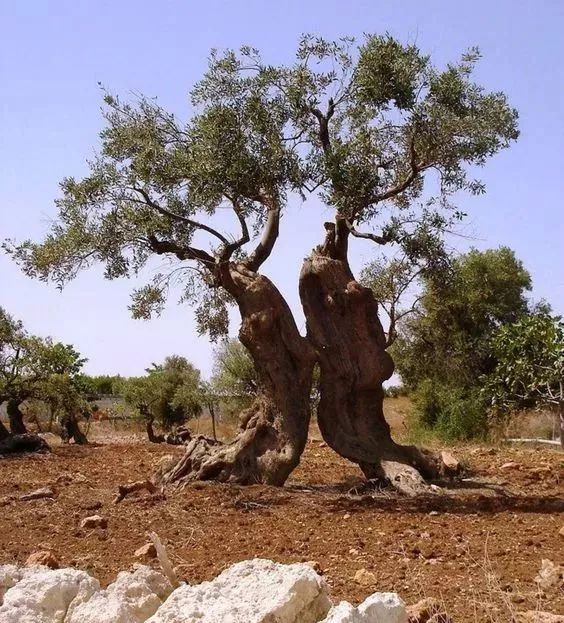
(273, 432)
(343, 325)
(4, 432)
(71, 430)
(15, 417)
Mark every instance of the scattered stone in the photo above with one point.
(46, 595)
(511, 465)
(347, 516)
(322, 445)
(427, 610)
(43, 558)
(94, 521)
(10, 575)
(252, 591)
(132, 598)
(380, 607)
(146, 552)
(365, 577)
(534, 616)
(549, 575)
(450, 462)
(38, 494)
(561, 532)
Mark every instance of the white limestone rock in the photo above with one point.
(132, 598)
(378, 608)
(46, 596)
(10, 575)
(252, 591)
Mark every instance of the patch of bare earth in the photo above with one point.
(476, 548)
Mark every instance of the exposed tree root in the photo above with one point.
(27, 442)
(140, 485)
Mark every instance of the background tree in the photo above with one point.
(169, 395)
(444, 349)
(36, 369)
(529, 369)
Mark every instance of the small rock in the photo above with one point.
(315, 566)
(433, 513)
(427, 610)
(450, 462)
(146, 552)
(561, 532)
(44, 558)
(511, 465)
(550, 574)
(347, 516)
(365, 577)
(322, 445)
(94, 521)
(534, 616)
(38, 494)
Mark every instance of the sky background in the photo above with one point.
(53, 53)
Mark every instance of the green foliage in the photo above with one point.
(363, 124)
(452, 412)
(170, 393)
(529, 369)
(447, 340)
(234, 376)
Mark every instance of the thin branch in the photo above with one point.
(182, 253)
(269, 236)
(178, 217)
(231, 247)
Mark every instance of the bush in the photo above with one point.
(453, 413)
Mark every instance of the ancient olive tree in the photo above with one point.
(362, 127)
(37, 370)
(156, 190)
(388, 139)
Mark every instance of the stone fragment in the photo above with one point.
(252, 591)
(47, 596)
(44, 558)
(132, 598)
(365, 577)
(94, 521)
(378, 608)
(450, 462)
(146, 552)
(511, 465)
(535, 616)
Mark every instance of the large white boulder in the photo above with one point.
(132, 598)
(378, 608)
(46, 596)
(253, 591)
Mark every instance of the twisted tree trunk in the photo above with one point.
(273, 432)
(11, 443)
(343, 325)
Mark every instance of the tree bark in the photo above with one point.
(561, 419)
(15, 417)
(4, 432)
(343, 326)
(72, 430)
(273, 432)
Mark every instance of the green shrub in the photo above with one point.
(452, 413)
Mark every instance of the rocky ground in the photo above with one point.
(477, 547)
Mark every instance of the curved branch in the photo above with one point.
(231, 247)
(367, 235)
(178, 217)
(269, 236)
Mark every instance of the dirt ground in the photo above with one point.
(477, 547)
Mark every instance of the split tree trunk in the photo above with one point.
(15, 417)
(343, 325)
(273, 432)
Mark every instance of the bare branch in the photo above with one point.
(231, 247)
(162, 247)
(269, 236)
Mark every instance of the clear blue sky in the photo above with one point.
(54, 52)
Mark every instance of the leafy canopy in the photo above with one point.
(362, 125)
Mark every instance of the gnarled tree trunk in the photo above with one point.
(11, 443)
(273, 432)
(15, 417)
(343, 325)
(71, 430)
